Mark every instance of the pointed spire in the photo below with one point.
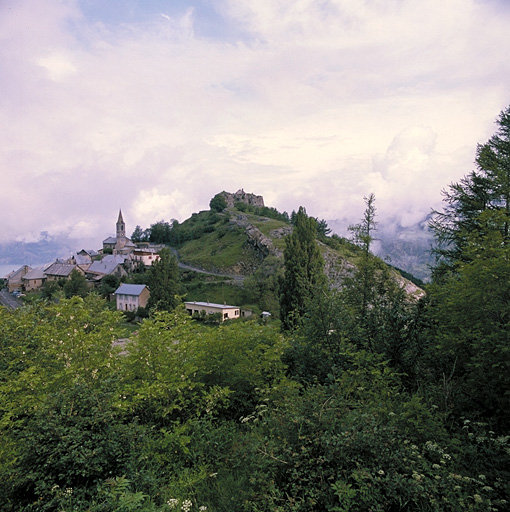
(121, 227)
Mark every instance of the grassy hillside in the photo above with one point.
(242, 253)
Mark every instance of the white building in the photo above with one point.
(227, 312)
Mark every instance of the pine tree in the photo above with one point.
(487, 188)
(304, 270)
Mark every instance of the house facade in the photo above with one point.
(34, 279)
(15, 278)
(58, 271)
(210, 308)
(146, 256)
(130, 297)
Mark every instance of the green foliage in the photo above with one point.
(304, 271)
(218, 203)
(140, 235)
(163, 282)
(356, 443)
(76, 285)
(109, 284)
(485, 189)
(160, 232)
(471, 311)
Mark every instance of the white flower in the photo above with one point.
(172, 502)
(186, 505)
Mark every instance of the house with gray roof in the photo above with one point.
(98, 269)
(130, 297)
(14, 279)
(34, 279)
(57, 271)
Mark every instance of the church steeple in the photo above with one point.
(121, 227)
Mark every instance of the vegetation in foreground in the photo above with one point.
(359, 399)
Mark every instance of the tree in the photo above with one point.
(164, 282)
(109, 284)
(139, 235)
(363, 233)
(218, 203)
(471, 312)
(76, 285)
(304, 270)
(487, 188)
(160, 232)
(469, 303)
(363, 236)
(322, 228)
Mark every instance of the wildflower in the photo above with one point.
(381, 472)
(186, 505)
(172, 502)
(477, 498)
(203, 508)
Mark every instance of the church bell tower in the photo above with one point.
(121, 227)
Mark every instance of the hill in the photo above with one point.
(243, 243)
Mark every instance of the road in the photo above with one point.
(235, 277)
(9, 300)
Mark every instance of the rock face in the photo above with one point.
(242, 197)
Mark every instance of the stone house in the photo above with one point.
(57, 271)
(98, 269)
(34, 279)
(130, 297)
(14, 279)
(147, 256)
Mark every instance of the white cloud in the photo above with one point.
(318, 105)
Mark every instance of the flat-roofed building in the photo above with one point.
(210, 308)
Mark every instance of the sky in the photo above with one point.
(154, 106)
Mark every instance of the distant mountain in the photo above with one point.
(408, 249)
(47, 249)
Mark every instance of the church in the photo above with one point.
(119, 244)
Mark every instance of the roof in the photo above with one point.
(110, 240)
(90, 252)
(21, 271)
(211, 305)
(81, 259)
(36, 273)
(117, 258)
(59, 269)
(103, 267)
(130, 289)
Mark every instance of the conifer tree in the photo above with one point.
(304, 270)
(487, 188)
(164, 281)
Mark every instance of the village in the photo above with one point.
(118, 257)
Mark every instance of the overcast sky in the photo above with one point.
(154, 106)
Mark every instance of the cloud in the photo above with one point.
(312, 103)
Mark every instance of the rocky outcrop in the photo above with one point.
(242, 197)
(262, 244)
